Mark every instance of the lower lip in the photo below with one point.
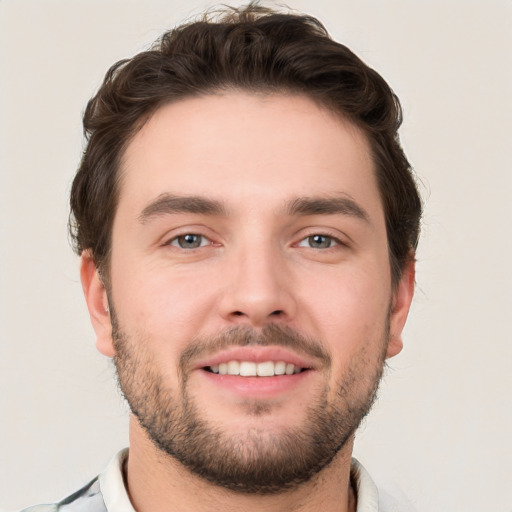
(257, 387)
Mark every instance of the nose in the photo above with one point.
(258, 289)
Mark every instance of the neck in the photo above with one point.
(157, 482)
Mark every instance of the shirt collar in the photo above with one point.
(366, 490)
(112, 485)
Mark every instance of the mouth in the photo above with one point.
(255, 369)
(256, 361)
(257, 372)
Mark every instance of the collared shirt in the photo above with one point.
(107, 493)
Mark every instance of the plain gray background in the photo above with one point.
(442, 428)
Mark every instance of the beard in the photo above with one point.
(255, 461)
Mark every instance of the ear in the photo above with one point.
(402, 298)
(97, 303)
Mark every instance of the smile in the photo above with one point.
(257, 372)
(253, 369)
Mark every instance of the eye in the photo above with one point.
(189, 241)
(319, 242)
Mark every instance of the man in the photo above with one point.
(247, 223)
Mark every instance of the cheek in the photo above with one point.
(349, 313)
(346, 302)
(163, 303)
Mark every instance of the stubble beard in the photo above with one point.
(255, 461)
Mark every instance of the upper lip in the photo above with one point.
(256, 354)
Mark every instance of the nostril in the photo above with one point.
(277, 312)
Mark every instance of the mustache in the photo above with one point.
(243, 336)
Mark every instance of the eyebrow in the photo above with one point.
(327, 206)
(168, 204)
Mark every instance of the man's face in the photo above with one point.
(250, 237)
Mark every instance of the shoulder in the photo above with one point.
(373, 499)
(86, 499)
(396, 501)
(104, 493)
(42, 508)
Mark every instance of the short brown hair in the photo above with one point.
(253, 49)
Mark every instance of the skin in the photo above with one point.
(255, 155)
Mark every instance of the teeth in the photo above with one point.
(265, 369)
(233, 368)
(248, 369)
(280, 368)
(251, 369)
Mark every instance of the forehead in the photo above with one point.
(244, 148)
